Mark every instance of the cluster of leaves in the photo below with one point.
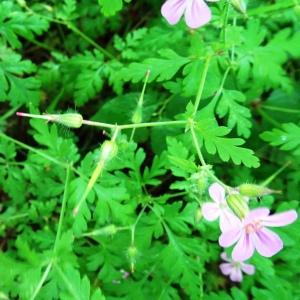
(140, 234)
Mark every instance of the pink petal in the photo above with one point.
(243, 249)
(172, 10)
(280, 219)
(228, 220)
(266, 242)
(248, 269)
(217, 193)
(197, 13)
(236, 275)
(228, 238)
(225, 257)
(226, 268)
(257, 213)
(210, 211)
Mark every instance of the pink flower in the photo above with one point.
(252, 233)
(234, 269)
(196, 12)
(219, 209)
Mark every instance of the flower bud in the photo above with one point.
(254, 190)
(238, 204)
(239, 5)
(199, 182)
(108, 151)
(72, 120)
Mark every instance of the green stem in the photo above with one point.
(281, 109)
(49, 117)
(273, 176)
(225, 22)
(58, 235)
(12, 218)
(54, 102)
(42, 280)
(62, 210)
(9, 113)
(201, 85)
(272, 8)
(196, 144)
(40, 153)
(73, 28)
(152, 124)
(40, 44)
(268, 118)
(89, 40)
(69, 286)
(96, 173)
(135, 224)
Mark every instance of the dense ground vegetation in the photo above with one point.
(113, 211)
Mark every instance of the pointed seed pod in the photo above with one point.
(239, 5)
(132, 253)
(254, 190)
(198, 215)
(108, 151)
(106, 231)
(137, 116)
(238, 204)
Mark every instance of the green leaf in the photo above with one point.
(157, 169)
(182, 163)
(75, 287)
(161, 69)
(238, 115)
(180, 261)
(83, 75)
(15, 23)
(215, 141)
(15, 86)
(287, 138)
(110, 7)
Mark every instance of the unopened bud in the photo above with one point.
(297, 10)
(22, 3)
(254, 190)
(239, 5)
(132, 253)
(198, 215)
(109, 150)
(72, 120)
(238, 204)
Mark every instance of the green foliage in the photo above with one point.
(287, 138)
(110, 7)
(220, 101)
(238, 115)
(14, 87)
(161, 69)
(214, 140)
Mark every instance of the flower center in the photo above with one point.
(252, 227)
(223, 205)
